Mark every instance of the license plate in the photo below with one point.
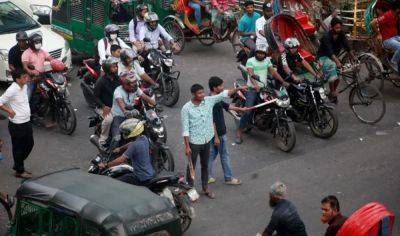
(193, 195)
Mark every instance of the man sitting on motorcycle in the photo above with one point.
(258, 68)
(291, 63)
(247, 26)
(220, 9)
(129, 63)
(137, 152)
(125, 95)
(104, 92)
(104, 45)
(136, 24)
(260, 23)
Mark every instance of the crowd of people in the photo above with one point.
(203, 124)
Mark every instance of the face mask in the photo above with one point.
(113, 36)
(38, 46)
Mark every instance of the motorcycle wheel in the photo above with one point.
(170, 94)
(66, 118)
(165, 162)
(183, 204)
(88, 95)
(285, 135)
(327, 126)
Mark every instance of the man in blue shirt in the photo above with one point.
(247, 26)
(198, 130)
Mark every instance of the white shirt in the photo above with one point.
(136, 68)
(260, 22)
(16, 98)
(106, 52)
(134, 36)
(154, 36)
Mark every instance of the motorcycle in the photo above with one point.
(269, 113)
(51, 98)
(308, 106)
(89, 74)
(161, 64)
(172, 186)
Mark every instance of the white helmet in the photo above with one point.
(261, 48)
(291, 43)
(150, 17)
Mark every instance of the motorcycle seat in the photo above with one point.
(163, 176)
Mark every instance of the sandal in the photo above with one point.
(238, 140)
(209, 194)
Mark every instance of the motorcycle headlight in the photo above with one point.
(4, 54)
(168, 62)
(283, 102)
(322, 93)
(158, 130)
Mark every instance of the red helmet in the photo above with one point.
(57, 65)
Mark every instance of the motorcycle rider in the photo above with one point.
(136, 24)
(124, 95)
(104, 45)
(129, 63)
(15, 53)
(257, 66)
(291, 63)
(137, 152)
(103, 93)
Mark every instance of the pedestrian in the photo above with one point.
(331, 215)
(15, 102)
(219, 144)
(198, 130)
(285, 221)
(15, 53)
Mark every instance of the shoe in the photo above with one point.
(23, 175)
(233, 181)
(209, 194)
(211, 180)
(238, 140)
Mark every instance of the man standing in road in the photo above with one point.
(15, 53)
(285, 221)
(331, 215)
(198, 130)
(219, 144)
(15, 102)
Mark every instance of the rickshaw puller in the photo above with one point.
(260, 23)
(136, 25)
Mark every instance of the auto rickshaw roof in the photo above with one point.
(117, 207)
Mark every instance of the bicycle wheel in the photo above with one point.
(367, 103)
(371, 70)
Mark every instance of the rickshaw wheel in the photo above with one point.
(206, 36)
(175, 30)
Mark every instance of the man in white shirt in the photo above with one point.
(104, 45)
(260, 23)
(136, 24)
(15, 102)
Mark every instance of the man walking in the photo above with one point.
(331, 215)
(198, 130)
(15, 102)
(219, 144)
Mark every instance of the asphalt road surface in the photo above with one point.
(360, 164)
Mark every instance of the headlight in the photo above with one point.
(168, 62)
(158, 130)
(40, 9)
(283, 103)
(4, 54)
(322, 93)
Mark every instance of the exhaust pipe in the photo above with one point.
(94, 139)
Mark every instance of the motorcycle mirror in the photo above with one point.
(31, 67)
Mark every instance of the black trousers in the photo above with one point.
(204, 151)
(22, 143)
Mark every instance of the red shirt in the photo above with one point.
(387, 25)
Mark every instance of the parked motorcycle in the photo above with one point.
(172, 186)
(89, 74)
(51, 99)
(161, 64)
(269, 113)
(308, 106)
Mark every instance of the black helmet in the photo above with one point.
(108, 63)
(141, 7)
(21, 35)
(128, 53)
(33, 39)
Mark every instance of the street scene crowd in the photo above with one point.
(127, 98)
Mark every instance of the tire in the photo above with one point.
(170, 95)
(175, 30)
(182, 202)
(66, 118)
(164, 162)
(206, 37)
(366, 100)
(285, 135)
(319, 126)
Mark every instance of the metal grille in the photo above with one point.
(56, 53)
(98, 12)
(124, 33)
(77, 10)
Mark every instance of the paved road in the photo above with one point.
(359, 164)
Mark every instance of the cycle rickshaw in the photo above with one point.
(365, 100)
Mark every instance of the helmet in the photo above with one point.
(108, 63)
(291, 43)
(131, 128)
(35, 39)
(128, 53)
(261, 48)
(141, 7)
(128, 77)
(111, 29)
(150, 17)
(21, 35)
(57, 65)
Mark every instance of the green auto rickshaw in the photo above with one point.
(72, 202)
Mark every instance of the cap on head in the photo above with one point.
(267, 6)
(278, 190)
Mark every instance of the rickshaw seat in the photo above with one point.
(305, 23)
(306, 55)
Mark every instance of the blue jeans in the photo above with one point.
(251, 97)
(197, 12)
(393, 44)
(224, 156)
(30, 88)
